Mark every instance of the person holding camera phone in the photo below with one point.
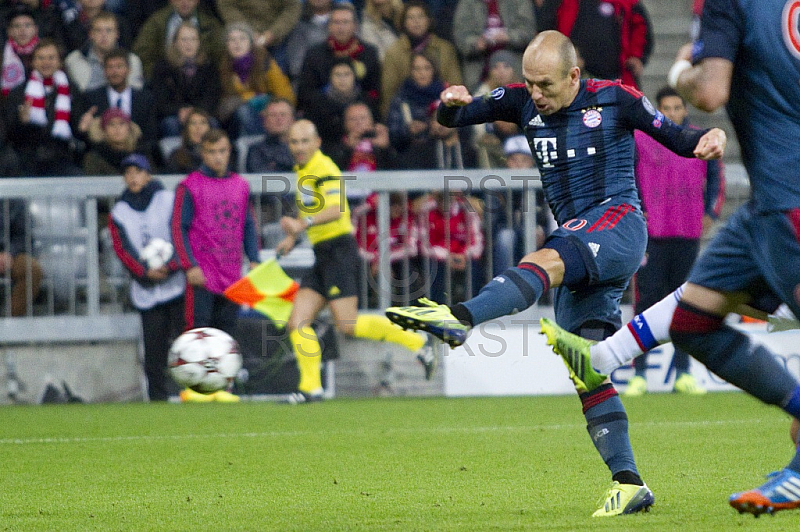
(365, 146)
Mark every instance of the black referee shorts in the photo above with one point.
(336, 267)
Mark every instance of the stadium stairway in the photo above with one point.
(672, 20)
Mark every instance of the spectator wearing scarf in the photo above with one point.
(250, 77)
(23, 36)
(327, 111)
(38, 116)
(342, 41)
(410, 114)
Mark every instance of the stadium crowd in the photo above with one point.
(86, 83)
(66, 62)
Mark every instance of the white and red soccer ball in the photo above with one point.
(204, 359)
(157, 253)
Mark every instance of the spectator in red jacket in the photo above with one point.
(451, 238)
(403, 245)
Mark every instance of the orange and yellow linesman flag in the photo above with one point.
(267, 289)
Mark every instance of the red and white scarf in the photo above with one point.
(13, 67)
(35, 92)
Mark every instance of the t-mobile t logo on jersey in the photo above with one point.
(546, 150)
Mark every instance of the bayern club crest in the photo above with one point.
(592, 118)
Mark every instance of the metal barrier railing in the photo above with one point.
(82, 284)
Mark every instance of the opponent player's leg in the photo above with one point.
(698, 327)
(592, 361)
(751, 248)
(305, 344)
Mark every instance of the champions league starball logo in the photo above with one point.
(226, 215)
(498, 93)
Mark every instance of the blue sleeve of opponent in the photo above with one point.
(721, 30)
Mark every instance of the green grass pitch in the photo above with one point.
(518, 463)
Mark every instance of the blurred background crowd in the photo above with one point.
(85, 83)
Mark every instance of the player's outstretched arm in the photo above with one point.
(455, 96)
(711, 145)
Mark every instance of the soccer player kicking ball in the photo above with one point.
(581, 133)
(744, 61)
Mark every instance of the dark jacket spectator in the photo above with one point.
(481, 27)
(273, 155)
(311, 29)
(137, 103)
(327, 110)
(77, 20)
(137, 12)
(151, 42)
(410, 114)
(183, 80)
(9, 161)
(187, 157)
(365, 145)
(272, 20)
(46, 16)
(15, 258)
(613, 38)
(342, 42)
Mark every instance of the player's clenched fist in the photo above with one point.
(455, 96)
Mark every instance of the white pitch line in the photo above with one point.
(371, 432)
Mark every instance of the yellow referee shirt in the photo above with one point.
(319, 185)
